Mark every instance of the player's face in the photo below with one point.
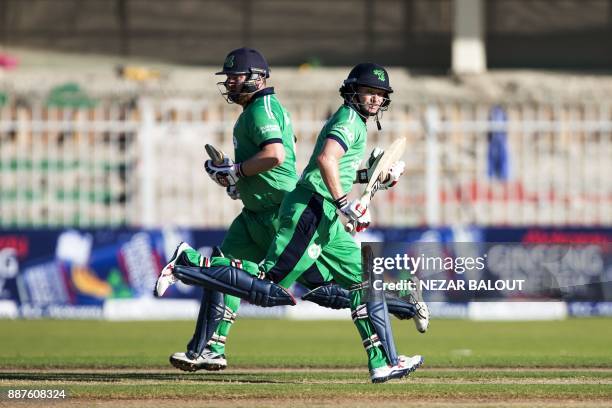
(371, 99)
(234, 82)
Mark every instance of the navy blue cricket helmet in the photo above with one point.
(245, 61)
(368, 74)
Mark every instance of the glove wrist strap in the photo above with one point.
(341, 202)
(239, 172)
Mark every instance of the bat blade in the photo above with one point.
(381, 168)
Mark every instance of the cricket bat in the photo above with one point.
(380, 169)
(215, 155)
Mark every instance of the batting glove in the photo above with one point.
(395, 172)
(225, 174)
(363, 175)
(356, 213)
(232, 192)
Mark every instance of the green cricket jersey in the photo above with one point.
(348, 129)
(263, 121)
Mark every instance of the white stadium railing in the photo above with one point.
(141, 164)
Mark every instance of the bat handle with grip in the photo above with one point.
(215, 155)
(349, 227)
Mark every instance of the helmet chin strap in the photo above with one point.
(360, 111)
(378, 117)
(233, 96)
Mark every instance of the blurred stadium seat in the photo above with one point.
(87, 166)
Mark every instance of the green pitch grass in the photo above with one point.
(282, 363)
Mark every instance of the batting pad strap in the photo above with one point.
(229, 315)
(217, 339)
(359, 286)
(236, 263)
(360, 313)
(236, 282)
(371, 341)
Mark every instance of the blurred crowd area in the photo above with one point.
(73, 158)
(105, 107)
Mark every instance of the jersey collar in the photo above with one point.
(259, 94)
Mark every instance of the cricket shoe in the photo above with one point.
(381, 374)
(404, 367)
(208, 360)
(410, 363)
(421, 318)
(166, 277)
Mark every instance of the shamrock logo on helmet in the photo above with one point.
(229, 61)
(380, 74)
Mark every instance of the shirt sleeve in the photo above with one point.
(344, 134)
(266, 128)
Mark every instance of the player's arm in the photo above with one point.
(270, 156)
(267, 134)
(328, 161)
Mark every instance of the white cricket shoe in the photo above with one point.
(421, 318)
(381, 374)
(404, 367)
(213, 361)
(166, 277)
(208, 360)
(411, 363)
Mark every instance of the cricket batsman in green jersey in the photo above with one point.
(311, 229)
(261, 175)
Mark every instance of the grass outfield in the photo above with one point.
(318, 363)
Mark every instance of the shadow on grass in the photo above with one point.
(119, 377)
